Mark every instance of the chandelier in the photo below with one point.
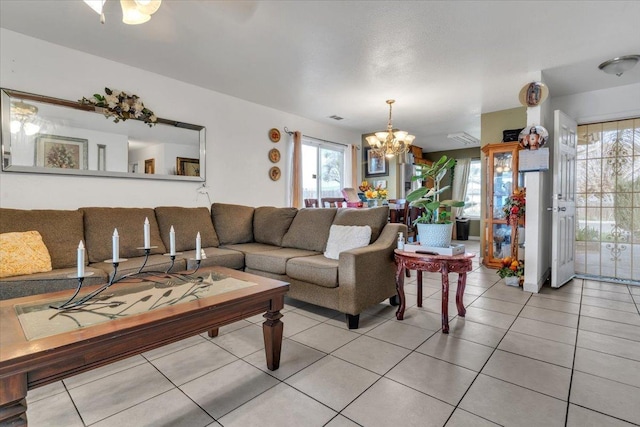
(23, 118)
(390, 143)
(134, 12)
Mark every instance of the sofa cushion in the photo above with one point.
(247, 248)
(346, 237)
(233, 223)
(216, 256)
(187, 223)
(317, 269)
(310, 229)
(61, 231)
(376, 218)
(98, 228)
(274, 261)
(270, 224)
(51, 281)
(23, 253)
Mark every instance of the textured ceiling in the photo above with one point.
(445, 63)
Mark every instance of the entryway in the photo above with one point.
(608, 200)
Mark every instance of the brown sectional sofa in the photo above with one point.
(282, 243)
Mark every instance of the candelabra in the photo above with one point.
(72, 303)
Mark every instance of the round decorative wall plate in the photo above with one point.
(274, 155)
(274, 135)
(274, 173)
(533, 137)
(533, 94)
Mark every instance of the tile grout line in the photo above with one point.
(485, 363)
(573, 363)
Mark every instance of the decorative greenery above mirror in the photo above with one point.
(48, 135)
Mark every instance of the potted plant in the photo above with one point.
(511, 271)
(434, 225)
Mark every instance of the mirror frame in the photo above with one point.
(5, 141)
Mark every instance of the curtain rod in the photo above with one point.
(287, 131)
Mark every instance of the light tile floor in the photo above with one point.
(566, 357)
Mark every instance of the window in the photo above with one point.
(323, 169)
(472, 199)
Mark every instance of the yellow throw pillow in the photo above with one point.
(23, 253)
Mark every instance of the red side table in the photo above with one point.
(444, 264)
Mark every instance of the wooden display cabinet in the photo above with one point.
(502, 177)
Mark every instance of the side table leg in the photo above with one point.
(400, 288)
(419, 272)
(13, 402)
(462, 282)
(444, 269)
(272, 332)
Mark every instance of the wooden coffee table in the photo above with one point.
(39, 345)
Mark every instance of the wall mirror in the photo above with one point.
(55, 136)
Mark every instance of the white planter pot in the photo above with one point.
(435, 235)
(512, 281)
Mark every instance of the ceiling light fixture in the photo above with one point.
(390, 143)
(22, 117)
(136, 12)
(619, 65)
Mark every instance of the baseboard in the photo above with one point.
(535, 287)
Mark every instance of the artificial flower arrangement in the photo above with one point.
(514, 206)
(121, 106)
(511, 267)
(373, 193)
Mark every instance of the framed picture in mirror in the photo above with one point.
(63, 152)
(187, 167)
(150, 166)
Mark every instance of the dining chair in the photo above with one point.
(332, 202)
(310, 203)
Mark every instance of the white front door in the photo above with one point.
(564, 203)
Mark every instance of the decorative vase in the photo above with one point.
(372, 203)
(435, 235)
(512, 281)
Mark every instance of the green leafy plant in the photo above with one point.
(435, 210)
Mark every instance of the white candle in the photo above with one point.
(81, 259)
(116, 245)
(147, 234)
(198, 247)
(172, 241)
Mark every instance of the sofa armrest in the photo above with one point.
(367, 275)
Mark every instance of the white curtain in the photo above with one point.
(459, 187)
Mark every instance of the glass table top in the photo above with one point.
(125, 298)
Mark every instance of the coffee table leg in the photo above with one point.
(272, 332)
(212, 332)
(445, 298)
(400, 288)
(13, 402)
(462, 282)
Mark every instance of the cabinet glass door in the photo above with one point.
(502, 182)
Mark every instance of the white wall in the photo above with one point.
(601, 105)
(237, 148)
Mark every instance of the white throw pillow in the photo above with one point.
(346, 237)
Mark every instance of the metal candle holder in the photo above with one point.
(71, 304)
